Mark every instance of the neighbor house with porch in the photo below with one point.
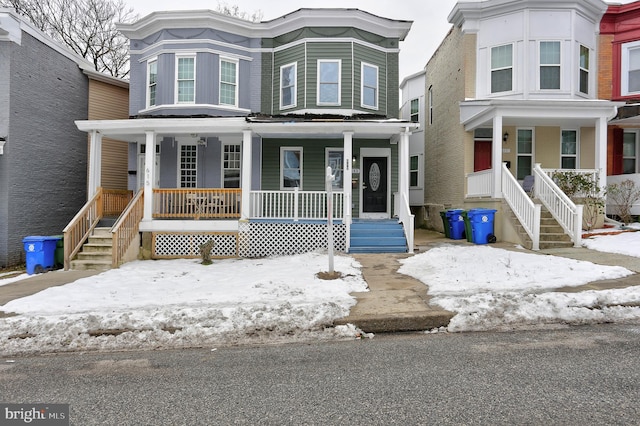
(233, 126)
(513, 95)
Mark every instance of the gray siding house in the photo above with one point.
(43, 155)
(245, 117)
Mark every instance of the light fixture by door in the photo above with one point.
(505, 137)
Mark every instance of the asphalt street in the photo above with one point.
(565, 376)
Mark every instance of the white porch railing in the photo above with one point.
(480, 184)
(565, 211)
(527, 212)
(294, 205)
(591, 174)
(402, 209)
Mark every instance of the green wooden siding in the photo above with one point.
(284, 57)
(341, 51)
(313, 163)
(267, 81)
(373, 57)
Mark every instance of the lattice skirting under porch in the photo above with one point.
(254, 239)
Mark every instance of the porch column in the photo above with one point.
(245, 208)
(95, 163)
(348, 174)
(403, 164)
(149, 173)
(601, 152)
(496, 157)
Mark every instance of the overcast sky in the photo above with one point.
(429, 17)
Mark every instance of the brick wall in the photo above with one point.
(605, 67)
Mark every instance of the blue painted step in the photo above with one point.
(377, 236)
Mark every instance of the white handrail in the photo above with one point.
(525, 210)
(563, 210)
(296, 205)
(480, 184)
(407, 219)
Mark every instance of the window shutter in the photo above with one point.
(615, 152)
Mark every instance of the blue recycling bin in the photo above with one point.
(40, 253)
(482, 221)
(456, 224)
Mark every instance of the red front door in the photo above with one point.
(482, 156)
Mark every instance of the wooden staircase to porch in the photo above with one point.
(96, 253)
(377, 236)
(551, 233)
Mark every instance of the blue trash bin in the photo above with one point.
(482, 225)
(40, 253)
(456, 224)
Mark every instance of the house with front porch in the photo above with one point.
(258, 135)
(513, 92)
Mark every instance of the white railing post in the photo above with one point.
(535, 237)
(577, 240)
(296, 191)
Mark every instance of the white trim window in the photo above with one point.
(369, 88)
(231, 162)
(414, 171)
(630, 78)
(583, 81)
(188, 165)
(185, 79)
(629, 152)
(334, 158)
(501, 68)
(569, 150)
(290, 168)
(329, 84)
(550, 65)
(414, 112)
(524, 146)
(228, 82)
(288, 86)
(152, 79)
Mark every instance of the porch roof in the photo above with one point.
(517, 112)
(135, 129)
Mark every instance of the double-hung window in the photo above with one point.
(369, 86)
(524, 144)
(549, 65)
(231, 159)
(569, 148)
(288, 83)
(414, 171)
(228, 82)
(630, 78)
(501, 68)
(415, 110)
(152, 78)
(186, 79)
(290, 167)
(584, 70)
(329, 82)
(629, 152)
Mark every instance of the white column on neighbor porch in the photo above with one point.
(149, 173)
(246, 174)
(601, 152)
(348, 174)
(95, 163)
(496, 157)
(403, 170)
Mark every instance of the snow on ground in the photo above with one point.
(180, 303)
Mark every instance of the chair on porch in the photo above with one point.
(527, 184)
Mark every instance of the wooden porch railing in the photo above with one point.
(126, 228)
(196, 203)
(81, 226)
(294, 205)
(114, 201)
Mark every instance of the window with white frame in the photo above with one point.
(502, 68)
(524, 160)
(630, 78)
(415, 110)
(569, 149)
(549, 65)
(430, 100)
(335, 160)
(290, 167)
(329, 82)
(231, 160)
(188, 166)
(152, 78)
(228, 82)
(288, 84)
(629, 152)
(369, 86)
(584, 70)
(186, 79)
(414, 171)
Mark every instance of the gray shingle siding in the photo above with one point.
(45, 163)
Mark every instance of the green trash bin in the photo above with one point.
(445, 224)
(468, 229)
(58, 254)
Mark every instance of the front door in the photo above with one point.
(374, 187)
(482, 156)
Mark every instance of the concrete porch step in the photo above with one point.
(90, 265)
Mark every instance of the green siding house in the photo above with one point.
(263, 132)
